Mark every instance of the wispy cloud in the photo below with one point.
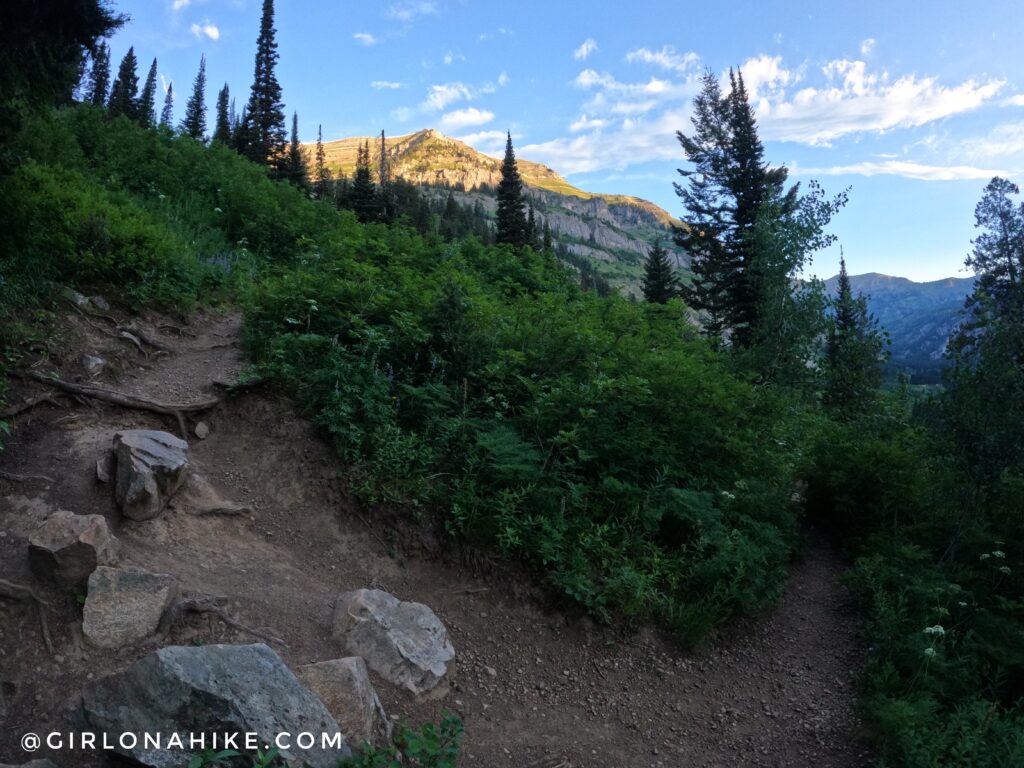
(585, 123)
(488, 142)
(465, 118)
(1014, 101)
(855, 100)
(503, 79)
(409, 10)
(178, 5)
(867, 46)
(1003, 141)
(205, 29)
(666, 58)
(365, 38)
(586, 48)
(386, 85)
(450, 57)
(440, 96)
(907, 169)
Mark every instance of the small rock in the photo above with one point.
(211, 689)
(79, 300)
(124, 607)
(491, 671)
(405, 643)
(202, 430)
(67, 548)
(151, 466)
(100, 303)
(105, 467)
(93, 365)
(344, 687)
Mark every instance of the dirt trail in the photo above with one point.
(534, 687)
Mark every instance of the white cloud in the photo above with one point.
(1014, 101)
(177, 5)
(586, 48)
(488, 142)
(365, 38)
(587, 124)
(451, 57)
(666, 58)
(766, 73)
(855, 100)
(402, 114)
(465, 118)
(386, 85)
(206, 28)
(440, 96)
(907, 169)
(867, 46)
(1006, 140)
(409, 10)
(503, 79)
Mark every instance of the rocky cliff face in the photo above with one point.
(615, 231)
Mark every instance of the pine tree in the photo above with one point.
(383, 171)
(321, 173)
(511, 223)
(294, 167)
(194, 124)
(363, 196)
(222, 128)
(532, 233)
(99, 76)
(728, 188)
(263, 134)
(853, 352)
(147, 102)
(124, 93)
(660, 281)
(547, 237)
(167, 113)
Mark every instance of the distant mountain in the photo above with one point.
(918, 316)
(614, 232)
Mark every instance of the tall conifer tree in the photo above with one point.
(222, 127)
(321, 173)
(853, 353)
(363, 196)
(194, 124)
(99, 76)
(511, 222)
(263, 134)
(167, 113)
(147, 102)
(124, 93)
(294, 168)
(660, 281)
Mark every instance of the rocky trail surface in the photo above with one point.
(534, 687)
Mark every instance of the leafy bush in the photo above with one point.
(433, 746)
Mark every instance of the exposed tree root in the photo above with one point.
(207, 604)
(127, 401)
(12, 591)
(29, 404)
(15, 478)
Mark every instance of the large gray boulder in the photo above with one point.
(213, 689)
(151, 467)
(405, 643)
(124, 607)
(344, 687)
(66, 548)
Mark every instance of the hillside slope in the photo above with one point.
(614, 231)
(918, 316)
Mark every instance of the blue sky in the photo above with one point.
(914, 104)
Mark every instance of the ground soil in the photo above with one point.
(534, 686)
